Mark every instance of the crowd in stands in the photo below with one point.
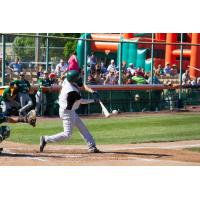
(98, 73)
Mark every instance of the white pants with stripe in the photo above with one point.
(71, 119)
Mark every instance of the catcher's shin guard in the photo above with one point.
(31, 118)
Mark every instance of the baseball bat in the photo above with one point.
(104, 110)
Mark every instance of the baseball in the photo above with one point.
(114, 112)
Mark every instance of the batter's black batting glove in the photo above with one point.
(96, 96)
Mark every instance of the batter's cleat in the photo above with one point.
(1, 149)
(42, 143)
(93, 149)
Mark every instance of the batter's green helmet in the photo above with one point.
(73, 76)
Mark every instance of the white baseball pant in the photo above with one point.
(71, 119)
(41, 101)
(25, 101)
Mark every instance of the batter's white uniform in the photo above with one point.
(68, 115)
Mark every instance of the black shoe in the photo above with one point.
(93, 149)
(42, 143)
(1, 149)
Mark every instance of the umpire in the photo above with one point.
(23, 87)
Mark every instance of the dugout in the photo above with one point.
(128, 98)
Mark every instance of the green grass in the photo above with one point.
(121, 130)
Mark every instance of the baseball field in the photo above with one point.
(171, 138)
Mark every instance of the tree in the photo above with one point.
(24, 47)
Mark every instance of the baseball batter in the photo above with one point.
(69, 100)
(5, 130)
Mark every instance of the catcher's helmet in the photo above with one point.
(73, 76)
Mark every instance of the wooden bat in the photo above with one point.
(104, 110)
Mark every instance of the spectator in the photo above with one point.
(123, 67)
(128, 78)
(174, 70)
(92, 60)
(167, 70)
(23, 87)
(8, 99)
(111, 78)
(111, 66)
(138, 79)
(140, 71)
(185, 77)
(91, 78)
(155, 79)
(194, 81)
(73, 63)
(161, 71)
(41, 97)
(39, 71)
(16, 67)
(131, 68)
(98, 77)
(60, 68)
(103, 67)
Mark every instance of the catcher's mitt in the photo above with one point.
(31, 118)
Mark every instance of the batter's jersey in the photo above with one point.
(69, 97)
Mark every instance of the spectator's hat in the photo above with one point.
(21, 74)
(46, 72)
(52, 75)
(167, 63)
(174, 65)
(112, 61)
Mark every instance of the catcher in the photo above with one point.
(30, 118)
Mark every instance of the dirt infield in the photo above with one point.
(148, 154)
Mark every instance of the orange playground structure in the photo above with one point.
(170, 53)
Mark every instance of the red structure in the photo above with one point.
(172, 52)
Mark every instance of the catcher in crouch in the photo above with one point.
(30, 118)
(69, 101)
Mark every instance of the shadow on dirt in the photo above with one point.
(136, 154)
